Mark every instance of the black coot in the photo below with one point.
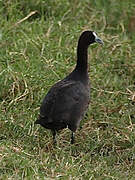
(67, 100)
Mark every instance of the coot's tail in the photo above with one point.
(39, 120)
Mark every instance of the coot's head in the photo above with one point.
(89, 37)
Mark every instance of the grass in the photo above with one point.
(39, 49)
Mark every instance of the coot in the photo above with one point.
(67, 100)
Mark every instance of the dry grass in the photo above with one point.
(39, 51)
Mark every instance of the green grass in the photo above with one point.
(38, 51)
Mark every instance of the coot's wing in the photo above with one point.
(49, 102)
(64, 101)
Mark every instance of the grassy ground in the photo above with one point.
(38, 42)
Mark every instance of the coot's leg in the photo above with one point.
(54, 137)
(72, 138)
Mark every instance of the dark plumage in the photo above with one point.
(67, 100)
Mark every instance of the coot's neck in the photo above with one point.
(82, 57)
